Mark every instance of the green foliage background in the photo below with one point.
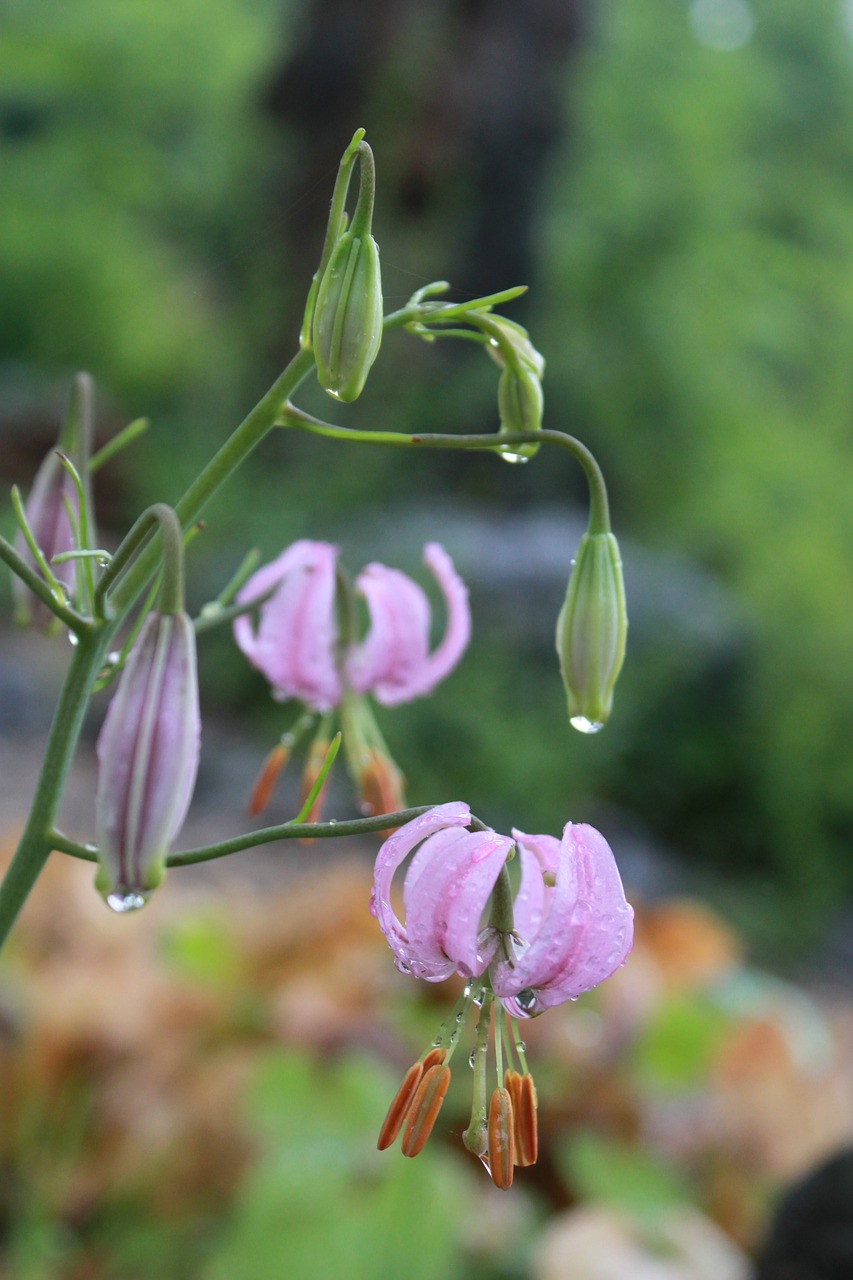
(694, 303)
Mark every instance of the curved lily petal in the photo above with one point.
(446, 892)
(397, 847)
(393, 659)
(585, 933)
(294, 644)
(539, 855)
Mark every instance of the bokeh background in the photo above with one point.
(674, 180)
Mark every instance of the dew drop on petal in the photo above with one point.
(122, 903)
(586, 726)
(526, 999)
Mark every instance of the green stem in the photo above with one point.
(36, 841)
(172, 585)
(39, 588)
(222, 465)
(266, 835)
(599, 509)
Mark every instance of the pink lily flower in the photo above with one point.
(296, 644)
(569, 928)
(572, 926)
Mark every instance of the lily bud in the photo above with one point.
(520, 406)
(591, 631)
(148, 752)
(347, 325)
(46, 509)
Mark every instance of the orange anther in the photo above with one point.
(526, 1122)
(266, 780)
(501, 1139)
(399, 1108)
(435, 1058)
(425, 1108)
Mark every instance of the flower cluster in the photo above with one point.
(559, 930)
(297, 644)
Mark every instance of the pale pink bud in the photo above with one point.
(148, 752)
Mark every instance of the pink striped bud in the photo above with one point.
(148, 753)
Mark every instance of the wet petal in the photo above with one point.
(584, 936)
(294, 643)
(446, 892)
(392, 853)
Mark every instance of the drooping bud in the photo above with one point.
(520, 401)
(148, 752)
(47, 511)
(520, 406)
(591, 631)
(347, 326)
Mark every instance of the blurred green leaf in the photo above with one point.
(627, 1177)
(322, 1201)
(676, 1046)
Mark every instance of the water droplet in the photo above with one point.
(102, 561)
(513, 457)
(479, 998)
(460, 1015)
(90, 848)
(586, 726)
(467, 992)
(112, 659)
(472, 1058)
(72, 639)
(333, 822)
(526, 999)
(403, 967)
(124, 902)
(522, 1046)
(437, 1042)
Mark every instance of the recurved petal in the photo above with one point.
(446, 892)
(393, 660)
(394, 850)
(389, 659)
(294, 643)
(584, 936)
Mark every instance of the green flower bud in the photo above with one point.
(591, 631)
(347, 325)
(520, 407)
